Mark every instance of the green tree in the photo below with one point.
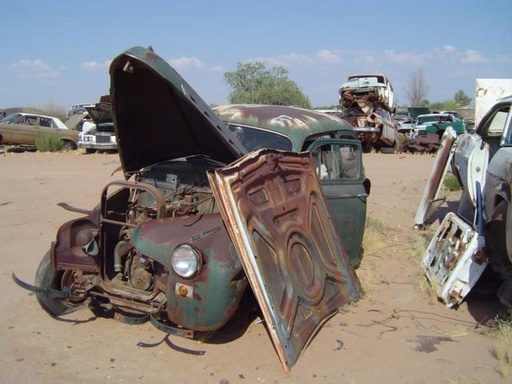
(253, 83)
(461, 98)
(447, 105)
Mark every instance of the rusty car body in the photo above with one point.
(25, 128)
(368, 104)
(480, 232)
(332, 143)
(203, 230)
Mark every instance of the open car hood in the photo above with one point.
(100, 113)
(277, 218)
(158, 116)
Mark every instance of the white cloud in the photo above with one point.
(324, 56)
(281, 61)
(32, 69)
(327, 56)
(449, 49)
(364, 57)
(472, 56)
(404, 57)
(94, 66)
(291, 58)
(184, 63)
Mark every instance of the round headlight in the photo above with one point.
(186, 261)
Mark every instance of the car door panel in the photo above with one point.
(343, 186)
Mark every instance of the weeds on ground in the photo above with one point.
(500, 329)
(451, 183)
(381, 239)
(384, 242)
(48, 143)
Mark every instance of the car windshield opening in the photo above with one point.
(253, 138)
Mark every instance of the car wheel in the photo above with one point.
(49, 278)
(495, 235)
(67, 145)
(387, 150)
(367, 146)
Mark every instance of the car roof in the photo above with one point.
(506, 99)
(34, 114)
(298, 124)
(435, 114)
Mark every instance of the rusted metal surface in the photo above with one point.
(422, 144)
(276, 216)
(429, 200)
(367, 91)
(297, 124)
(368, 102)
(152, 105)
(207, 301)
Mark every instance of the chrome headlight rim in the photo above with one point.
(186, 261)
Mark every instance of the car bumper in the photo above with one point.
(367, 130)
(98, 146)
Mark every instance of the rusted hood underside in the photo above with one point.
(277, 218)
(158, 116)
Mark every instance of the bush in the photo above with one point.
(48, 143)
(451, 183)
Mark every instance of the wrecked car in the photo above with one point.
(101, 136)
(203, 231)
(24, 129)
(334, 147)
(435, 124)
(479, 233)
(426, 131)
(368, 104)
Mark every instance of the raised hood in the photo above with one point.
(100, 113)
(158, 116)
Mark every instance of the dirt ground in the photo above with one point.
(396, 334)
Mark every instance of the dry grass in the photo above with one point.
(500, 329)
(381, 241)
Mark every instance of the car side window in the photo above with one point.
(496, 125)
(45, 122)
(507, 137)
(337, 161)
(30, 120)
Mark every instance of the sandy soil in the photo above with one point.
(396, 334)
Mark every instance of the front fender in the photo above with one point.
(208, 300)
(76, 244)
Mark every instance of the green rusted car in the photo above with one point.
(222, 214)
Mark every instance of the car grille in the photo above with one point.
(102, 139)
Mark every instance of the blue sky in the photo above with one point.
(59, 51)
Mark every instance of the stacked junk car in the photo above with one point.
(368, 102)
(223, 215)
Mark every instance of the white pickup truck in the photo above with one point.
(480, 232)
